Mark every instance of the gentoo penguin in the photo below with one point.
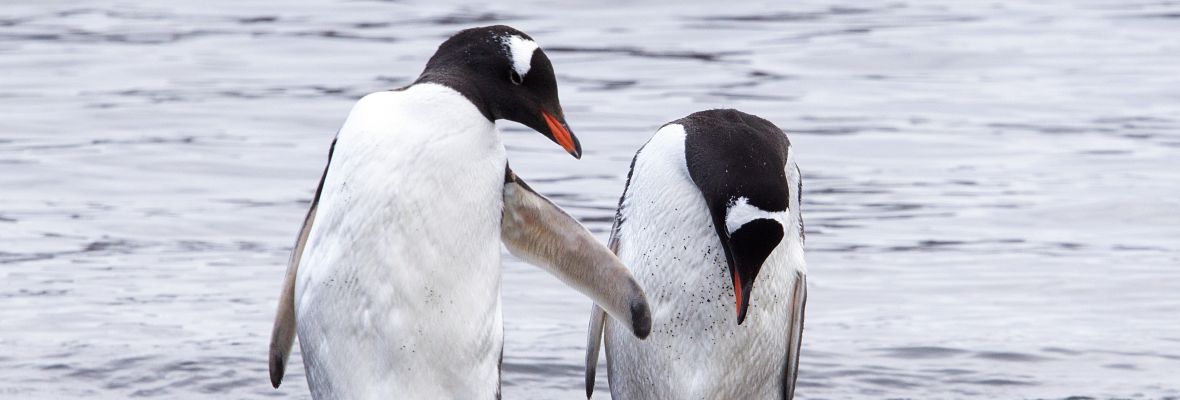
(709, 223)
(394, 284)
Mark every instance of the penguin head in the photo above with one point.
(739, 162)
(507, 76)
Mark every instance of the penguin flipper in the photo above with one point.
(593, 343)
(598, 322)
(537, 231)
(795, 335)
(282, 335)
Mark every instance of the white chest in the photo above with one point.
(399, 287)
(413, 192)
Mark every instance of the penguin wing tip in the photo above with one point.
(277, 367)
(591, 370)
(641, 318)
(590, 384)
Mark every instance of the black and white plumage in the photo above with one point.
(710, 225)
(393, 287)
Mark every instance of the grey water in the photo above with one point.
(991, 188)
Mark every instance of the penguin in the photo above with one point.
(393, 286)
(709, 222)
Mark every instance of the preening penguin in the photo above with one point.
(393, 287)
(709, 222)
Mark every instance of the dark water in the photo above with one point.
(991, 188)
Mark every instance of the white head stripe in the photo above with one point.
(520, 52)
(741, 212)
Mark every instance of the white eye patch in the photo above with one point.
(741, 212)
(520, 53)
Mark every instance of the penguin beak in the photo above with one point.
(560, 133)
(741, 293)
(747, 248)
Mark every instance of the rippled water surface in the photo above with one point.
(991, 189)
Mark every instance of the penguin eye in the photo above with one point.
(515, 77)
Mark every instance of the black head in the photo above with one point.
(738, 162)
(503, 72)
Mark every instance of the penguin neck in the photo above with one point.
(419, 122)
(460, 80)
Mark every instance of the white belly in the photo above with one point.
(696, 349)
(398, 294)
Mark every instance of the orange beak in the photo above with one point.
(737, 292)
(562, 135)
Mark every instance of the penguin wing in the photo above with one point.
(598, 322)
(282, 336)
(795, 334)
(537, 231)
(593, 342)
